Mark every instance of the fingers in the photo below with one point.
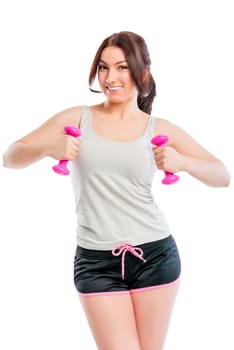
(159, 152)
(71, 147)
(160, 156)
(168, 159)
(74, 149)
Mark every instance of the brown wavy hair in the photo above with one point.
(138, 59)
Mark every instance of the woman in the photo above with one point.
(127, 265)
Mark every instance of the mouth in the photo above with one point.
(113, 88)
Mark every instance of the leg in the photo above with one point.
(112, 321)
(153, 309)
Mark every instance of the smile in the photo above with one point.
(113, 88)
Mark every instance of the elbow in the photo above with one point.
(10, 158)
(8, 162)
(219, 177)
(227, 180)
(6, 158)
(224, 178)
(4, 162)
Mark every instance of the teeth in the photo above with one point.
(114, 88)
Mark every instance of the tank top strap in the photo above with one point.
(150, 130)
(84, 116)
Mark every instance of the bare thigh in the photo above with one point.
(153, 310)
(112, 321)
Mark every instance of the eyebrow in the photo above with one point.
(119, 62)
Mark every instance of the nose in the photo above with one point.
(111, 77)
(109, 81)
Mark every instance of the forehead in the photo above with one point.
(112, 55)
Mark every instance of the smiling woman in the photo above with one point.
(127, 264)
(114, 76)
(137, 65)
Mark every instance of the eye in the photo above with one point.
(102, 67)
(123, 67)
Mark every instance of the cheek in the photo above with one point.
(133, 88)
(101, 80)
(100, 77)
(128, 81)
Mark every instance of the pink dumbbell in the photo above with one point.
(169, 178)
(61, 167)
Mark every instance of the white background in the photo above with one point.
(46, 51)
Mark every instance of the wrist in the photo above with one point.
(187, 163)
(47, 149)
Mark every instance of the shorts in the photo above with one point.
(127, 268)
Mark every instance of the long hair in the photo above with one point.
(138, 59)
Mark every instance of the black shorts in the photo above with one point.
(127, 268)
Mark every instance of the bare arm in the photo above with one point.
(183, 153)
(48, 140)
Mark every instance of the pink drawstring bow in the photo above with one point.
(123, 249)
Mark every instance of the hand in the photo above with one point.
(64, 147)
(168, 159)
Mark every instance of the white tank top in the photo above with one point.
(112, 183)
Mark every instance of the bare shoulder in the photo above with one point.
(69, 116)
(54, 125)
(163, 125)
(181, 140)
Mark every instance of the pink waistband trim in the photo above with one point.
(123, 249)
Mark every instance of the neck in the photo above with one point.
(121, 110)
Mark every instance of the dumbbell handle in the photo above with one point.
(170, 178)
(61, 167)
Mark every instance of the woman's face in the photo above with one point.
(114, 76)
